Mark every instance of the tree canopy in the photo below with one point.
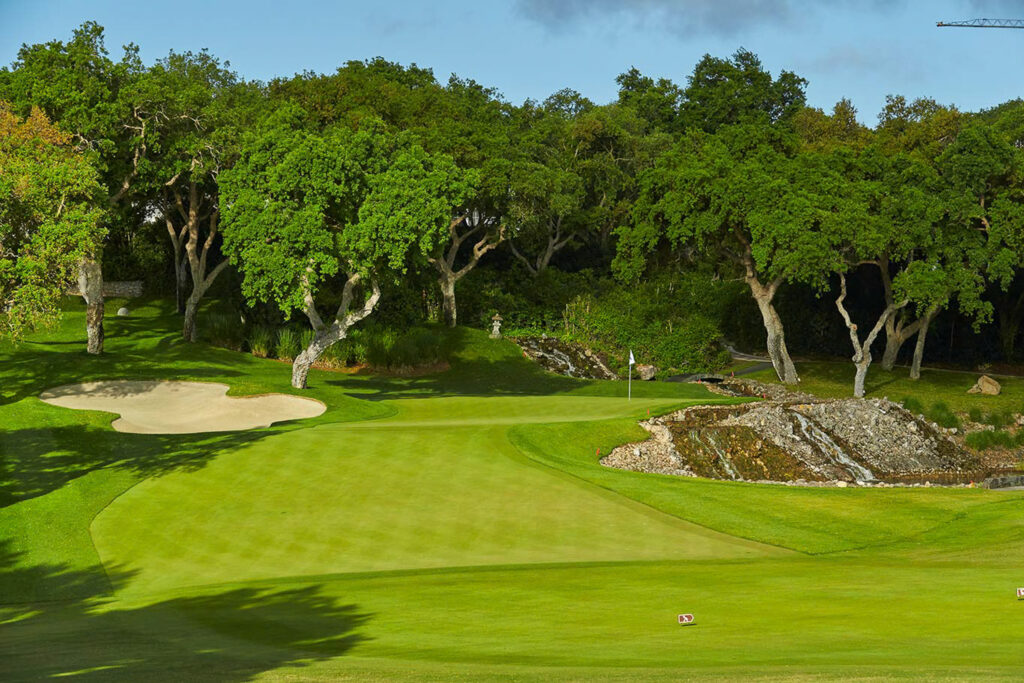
(50, 218)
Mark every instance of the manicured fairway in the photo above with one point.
(459, 527)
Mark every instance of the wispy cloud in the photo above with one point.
(862, 59)
(686, 17)
(996, 9)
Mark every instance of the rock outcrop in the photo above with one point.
(806, 441)
(646, 372)
(565, 358)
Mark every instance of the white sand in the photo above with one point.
(180, 407)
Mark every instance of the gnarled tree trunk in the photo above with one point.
(862, 350)
(326, 335)
(777, 351)
(922, 334)
(90, 284)
(187, 238)
(180, 272)
(448, 306)
(897, 330)
(896, 335)
(491, 236)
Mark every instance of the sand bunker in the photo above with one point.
(180, 407)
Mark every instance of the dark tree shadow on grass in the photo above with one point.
(66, 626)
(479, 368)
(35, 461)
(29, 371)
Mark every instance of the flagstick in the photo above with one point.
(629, 368)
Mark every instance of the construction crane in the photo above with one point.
(983, 23)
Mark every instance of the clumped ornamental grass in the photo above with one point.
(996, 438)
(938, 412)
(289, 343)
(262, 341)
(473, 503)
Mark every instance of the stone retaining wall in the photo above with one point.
(125, 289)
(1004, 482)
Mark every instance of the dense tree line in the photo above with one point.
(350, 189)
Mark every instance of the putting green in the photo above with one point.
(386, 495)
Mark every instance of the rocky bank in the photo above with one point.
(798, 438)
(565, 358)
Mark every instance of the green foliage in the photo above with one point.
(410, 206)
(994, 438)
(668, 323)
(745, 201)
(50, 219)
(261, 341)
(224, 330)
(301, 207)
(78, 86)
(941, 415)
(289, 343)
(524, 302)
(724, 92)
(287, 204)
(914, 405)
(998, 420)
(571, 176)
(334, 356)
(389, 349)
(656, 102)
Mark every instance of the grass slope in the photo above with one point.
(459, 527)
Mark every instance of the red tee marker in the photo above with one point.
(685, 619)
(1020, 593)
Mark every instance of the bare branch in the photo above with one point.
(523, 259)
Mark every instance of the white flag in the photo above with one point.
(632, 361)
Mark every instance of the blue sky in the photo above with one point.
(530, 48)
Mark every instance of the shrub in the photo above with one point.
(913, 405)
(357, 346)
(663, 322)
(334, 356)
(385, 348)
(261, 341)
(289, 343)
(222, 329)
(379, 343)
(998, 420)
(987, 439)
(941, 415)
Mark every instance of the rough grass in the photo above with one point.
(459, 527)
(835, 380)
